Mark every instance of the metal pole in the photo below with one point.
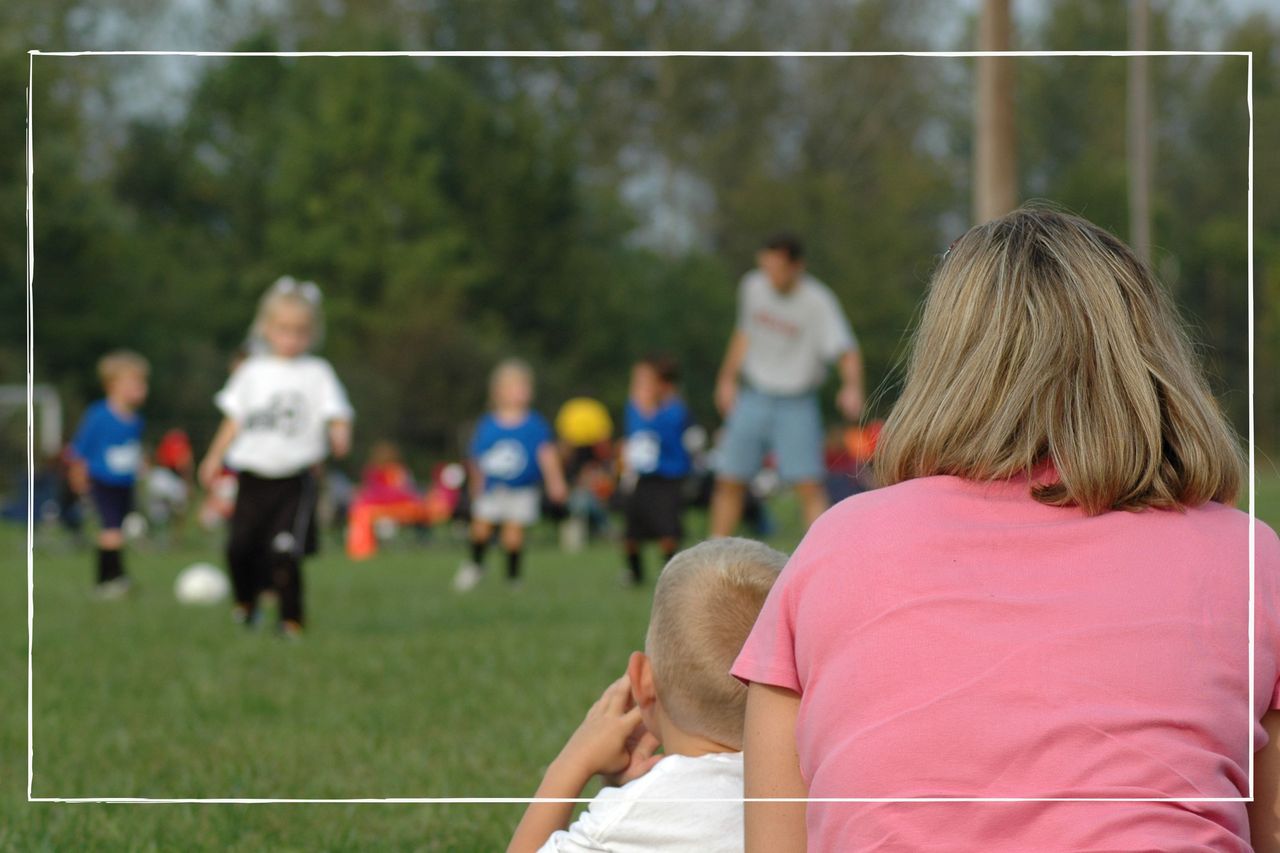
(1139, 133)
(995, 178)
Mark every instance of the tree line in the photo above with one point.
(581, 212)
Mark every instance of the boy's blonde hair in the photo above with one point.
(706, 600)
(116, 362)
(1045, 339)
(510, 367)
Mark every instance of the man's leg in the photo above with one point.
(813, 500)
(741, 453)
(726, 506)
(797, 441)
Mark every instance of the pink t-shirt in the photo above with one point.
(952, 638)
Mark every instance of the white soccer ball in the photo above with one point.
(134, 526)
(201, 583)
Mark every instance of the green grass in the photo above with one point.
(401, 688)
(1267, 491)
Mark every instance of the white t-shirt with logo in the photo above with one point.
(631, 819)
(791, 337)
(282, 407)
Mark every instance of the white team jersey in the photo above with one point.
(633, 818)
(283, 407)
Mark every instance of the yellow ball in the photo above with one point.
(583, 422)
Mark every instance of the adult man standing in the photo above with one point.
(790, 328)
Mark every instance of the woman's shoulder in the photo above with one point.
(945, 504)
(912, 497)
(1215, 525)
(888, 518)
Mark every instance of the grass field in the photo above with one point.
(401, 688)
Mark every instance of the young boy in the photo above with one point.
(678, 695)
(656, 462)
(512, 453)
(106, 455)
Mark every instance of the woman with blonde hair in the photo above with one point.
(1050, 597)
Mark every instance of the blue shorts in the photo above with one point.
(113, 503)
(789, 425)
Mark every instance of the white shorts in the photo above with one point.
(509, 505)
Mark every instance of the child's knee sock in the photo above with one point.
(634, 563)
(513, 564)
(478, 547)
(288, 586)
(110, 564)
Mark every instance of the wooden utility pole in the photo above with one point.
(995, 166)
(1138, 111)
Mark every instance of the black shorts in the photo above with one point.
(112, 502)
(268, 506)
(655, 509)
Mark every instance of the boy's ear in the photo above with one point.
(640, 673)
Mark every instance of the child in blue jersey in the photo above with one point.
(512, 454)
(655, 462)
(106, 455)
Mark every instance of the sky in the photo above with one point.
(161, 86)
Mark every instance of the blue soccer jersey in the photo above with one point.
(507, 454)
(655, 442)
(109, 445)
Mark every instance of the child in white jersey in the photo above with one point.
(285, 410)
(678, 695)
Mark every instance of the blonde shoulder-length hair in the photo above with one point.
(1043, 339)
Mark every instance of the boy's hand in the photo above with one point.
(602, 742)
(642, 748)
(611, 739)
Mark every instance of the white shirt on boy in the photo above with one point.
(282, 407)
(629, 820)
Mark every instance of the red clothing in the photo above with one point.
(174, 451)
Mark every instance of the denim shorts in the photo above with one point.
(788, 425)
